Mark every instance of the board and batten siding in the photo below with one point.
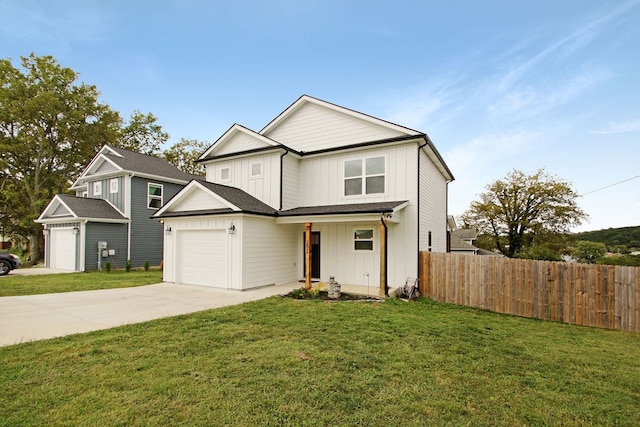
(146, 233)
(315, 127)
(433, 206)
(265, 187)
(325, 175)
(116, 199)
(198, 199)
(239, 143)
(116, 237)
(269, 252)
(290, 178)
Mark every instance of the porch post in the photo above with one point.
(307, 255)
(383, 259)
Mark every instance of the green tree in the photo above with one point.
(522, 210)
(184, 154)
(588, 252)
(50, 127)
(141, 133)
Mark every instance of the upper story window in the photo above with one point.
(97, 189)
(113, 185)
(154, 196)
(225, 174)
(364, 176)
(255, 170)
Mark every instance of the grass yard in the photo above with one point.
(70, 282)
(286, 362)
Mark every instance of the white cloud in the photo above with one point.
(619, 127)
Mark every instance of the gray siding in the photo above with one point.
(146, 233)
(116, 199)
(61, 211)
(116, 237)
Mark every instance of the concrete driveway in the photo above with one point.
(36, 317)
(34, 271)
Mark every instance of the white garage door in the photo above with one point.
(63, 249)
(201, 258)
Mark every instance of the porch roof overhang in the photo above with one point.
(357, 212)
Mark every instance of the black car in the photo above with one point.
(8, 262)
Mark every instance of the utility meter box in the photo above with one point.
(102, 245)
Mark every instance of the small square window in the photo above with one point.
(363, 240)
(256, 170)
(113, 185)
(225, 174)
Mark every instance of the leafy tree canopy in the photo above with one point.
(142, 134)
(588, 252)
(521, 211)
(184, 154)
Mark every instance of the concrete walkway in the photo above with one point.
(36, 317)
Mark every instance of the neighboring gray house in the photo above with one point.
(109, 218)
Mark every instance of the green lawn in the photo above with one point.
(287, 362)
(53, 283)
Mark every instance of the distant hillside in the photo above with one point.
(626, 236)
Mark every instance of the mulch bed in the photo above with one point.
(301, 294)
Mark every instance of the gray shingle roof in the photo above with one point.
(150, 165)
(91, 208)
(355, 208)
(237, 197)
(465, 233)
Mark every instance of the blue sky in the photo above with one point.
(497, 84)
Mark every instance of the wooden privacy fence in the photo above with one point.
(605, 296)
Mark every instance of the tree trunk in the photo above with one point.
(36, 248)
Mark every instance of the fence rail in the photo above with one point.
(604, 296)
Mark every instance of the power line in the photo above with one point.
(610, 185)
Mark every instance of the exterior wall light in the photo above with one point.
(231, 229)
(75, 230)
(167, 231)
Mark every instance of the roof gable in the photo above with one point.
(221, 199)
(311, 124)
(65, 206)
(238, 139)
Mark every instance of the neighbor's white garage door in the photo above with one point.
(201, 258)
(63, 249)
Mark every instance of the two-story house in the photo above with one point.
(363, 195)
(109, 218)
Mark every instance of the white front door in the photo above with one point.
(201, 258)
(63, 249)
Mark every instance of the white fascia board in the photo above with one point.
(156, 177)
(91, 164)
(51, 207)
(328, 218)
(230, 133)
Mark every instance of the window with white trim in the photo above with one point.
(113, 185)
(255, 170)
(364, 176)
(154, 196)
(363, 240)
(97, 189)
(225, 174)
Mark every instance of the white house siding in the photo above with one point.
(265, 188)
(269, 252)
(240, 142)
(290, 178)
(314, 127)
(198, 199)
(321, 178)
(433, 206)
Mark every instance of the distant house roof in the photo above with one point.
(146, 164)
(457, 245)
(81, 208)
(465, 233)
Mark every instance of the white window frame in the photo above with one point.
(97, 189)
(251, 174)
(356, 239)
(113, 186)
(228, 178)
(151, 197)
(363, 176)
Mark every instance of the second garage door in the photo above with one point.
(63, 249)
(201, 258)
